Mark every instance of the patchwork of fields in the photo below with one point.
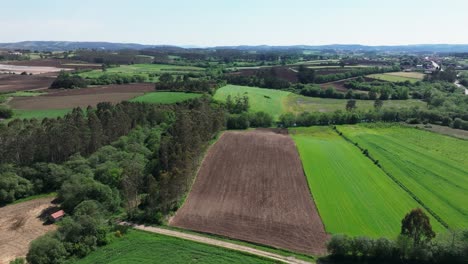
(432, 166)
(398, 76)
(276, 102)
(144, 70)
(353, 195)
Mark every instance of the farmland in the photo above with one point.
(19, 225)
(142, 247)
(66, 99)
(144, 70)
(398, 76)
(276, 102)
(165, 97)
(266, 100)
(251, 187)
(353, 195)
(434, 167)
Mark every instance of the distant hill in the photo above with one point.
(69, 45)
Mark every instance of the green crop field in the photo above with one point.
(165, 97)
(398, 76)
(276, 102)
(266, 100)
(38, 114)
(352, 194)
(433, 166)
(142, 247)
(143, 70)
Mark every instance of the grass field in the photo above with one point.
(276, 102)
(39, 114)
(165, 97)
(398, 76)
(353, 195)
(142, 69)
(266, 100)
(434, 167)
(142, 247)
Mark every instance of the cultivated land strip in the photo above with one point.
(251, 187)
(218, 243)
(398, 182)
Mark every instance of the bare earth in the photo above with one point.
(63, 99)
(219, 243)
(19, 225)
(29, 69)
(251, 186)
(11, 83)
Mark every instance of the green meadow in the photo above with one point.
(352, 194)
(165, 97)
(144, 70)
(432, 166)
(277, 102)
(143, 247)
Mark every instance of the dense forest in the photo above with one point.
(139, 158)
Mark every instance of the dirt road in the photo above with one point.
(219, 243)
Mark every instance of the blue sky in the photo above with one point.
(226, 22)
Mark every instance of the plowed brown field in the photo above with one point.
(251, 186)
(62, 99)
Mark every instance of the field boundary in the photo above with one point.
(218, 243)
(366, 153)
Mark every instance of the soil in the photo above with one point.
(251, 186)
(16, 82)
(58, 63)
(70, 98)
(19, 225)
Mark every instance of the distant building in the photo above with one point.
(57, 216)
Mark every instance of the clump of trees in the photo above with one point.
(5, 112)
(415, 244)
(108, 78)
(353, 73)
(68, 81)
(167, 82)
(240, 118)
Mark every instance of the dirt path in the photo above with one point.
(219, 243)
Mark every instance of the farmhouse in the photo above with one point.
(57, 216)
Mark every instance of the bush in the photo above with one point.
(339, 245)
(5, 113)
(260, 119)
(68, 81)
(46, 250)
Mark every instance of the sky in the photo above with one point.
(237, 22)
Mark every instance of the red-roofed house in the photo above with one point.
(57, 216)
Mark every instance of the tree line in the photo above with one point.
(415, 244)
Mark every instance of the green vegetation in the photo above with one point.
(397, 77)
(297, 104)
(148, 71)
(279, 251)
(260, 100)
(39, 114)
(165, 97)
(142, 247)
(353, 195)
(276, 102)
(434, 167)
